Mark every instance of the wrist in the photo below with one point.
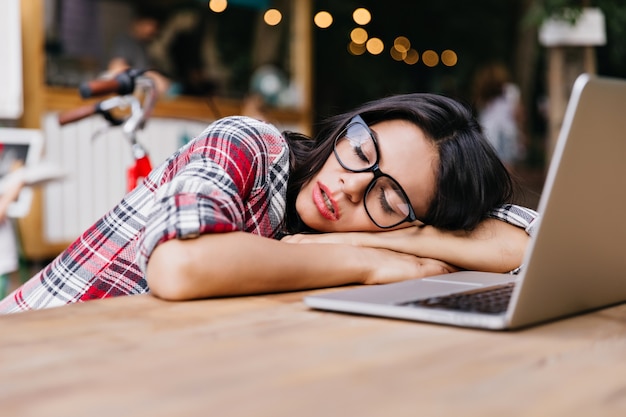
(362, 265)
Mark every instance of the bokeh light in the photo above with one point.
(272, 17)
(218, 6)
(358, 36)
(323, 19)
(375, 46)
(361, 16)
(449, 58)
(430, 58)
(412, 56)
(402, 44)
(356, 49)
(360, 41)
(397, 55)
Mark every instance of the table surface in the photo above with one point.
(271, 355)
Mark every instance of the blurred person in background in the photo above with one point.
(499, 112)
(12, 185)
(132, 49)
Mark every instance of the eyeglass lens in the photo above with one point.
(385, 202)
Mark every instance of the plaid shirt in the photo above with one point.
(231, 177)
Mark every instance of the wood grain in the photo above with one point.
(272, 356)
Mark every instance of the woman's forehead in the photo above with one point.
(402, 140)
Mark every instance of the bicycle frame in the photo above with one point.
(140, 169)
(142, 165)
(135, 91)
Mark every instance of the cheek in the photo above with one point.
(300, 198)
(304, 204)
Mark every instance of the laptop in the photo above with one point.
(575, 262)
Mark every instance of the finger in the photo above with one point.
(290, 239)
(434, 267)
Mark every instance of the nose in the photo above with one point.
(354, 184)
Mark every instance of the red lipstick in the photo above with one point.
(325, 204)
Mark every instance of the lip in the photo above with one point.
(322, 198)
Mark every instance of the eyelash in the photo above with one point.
(359, 153)
(383, 201)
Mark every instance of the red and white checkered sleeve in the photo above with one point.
(206, 184)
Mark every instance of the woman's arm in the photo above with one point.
(494, 246)
(237, 263)
(12, 190)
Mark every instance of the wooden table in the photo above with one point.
(273, 356)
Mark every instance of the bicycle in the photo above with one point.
(132, 90)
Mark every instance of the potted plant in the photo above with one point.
(569, 23)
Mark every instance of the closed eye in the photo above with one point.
(358, 151)
(382, 198)
(392, 200)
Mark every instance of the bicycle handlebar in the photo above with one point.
(122, 84)
(131, 89)
(79, 113)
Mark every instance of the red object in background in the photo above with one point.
(137, 172)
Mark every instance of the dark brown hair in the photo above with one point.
(471, 179)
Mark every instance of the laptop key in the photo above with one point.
(492, 300)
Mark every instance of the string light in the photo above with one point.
(359, 36)
(356, 49)
(360, 40)
(323, 19)
(218, 6)
(375, 46)
(396, 54)
(449, 58)
(361, 16)
(402, 44)
(430, 58)
(272, 17)
(411, 58)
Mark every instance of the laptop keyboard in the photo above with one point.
(492, 300)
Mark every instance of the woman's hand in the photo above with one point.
(348, 238)
(390, 261)
(237, 263)
(494, 246)
(388, 266)
(393, 239)
(13, 184)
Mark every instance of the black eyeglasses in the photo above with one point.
(385, 201)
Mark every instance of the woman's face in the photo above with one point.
(333, 200)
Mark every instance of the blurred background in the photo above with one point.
(295, 62)
(219, 47)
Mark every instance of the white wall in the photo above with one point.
(11, 98)
(96, 168)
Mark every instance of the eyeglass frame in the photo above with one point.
(375, 169)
